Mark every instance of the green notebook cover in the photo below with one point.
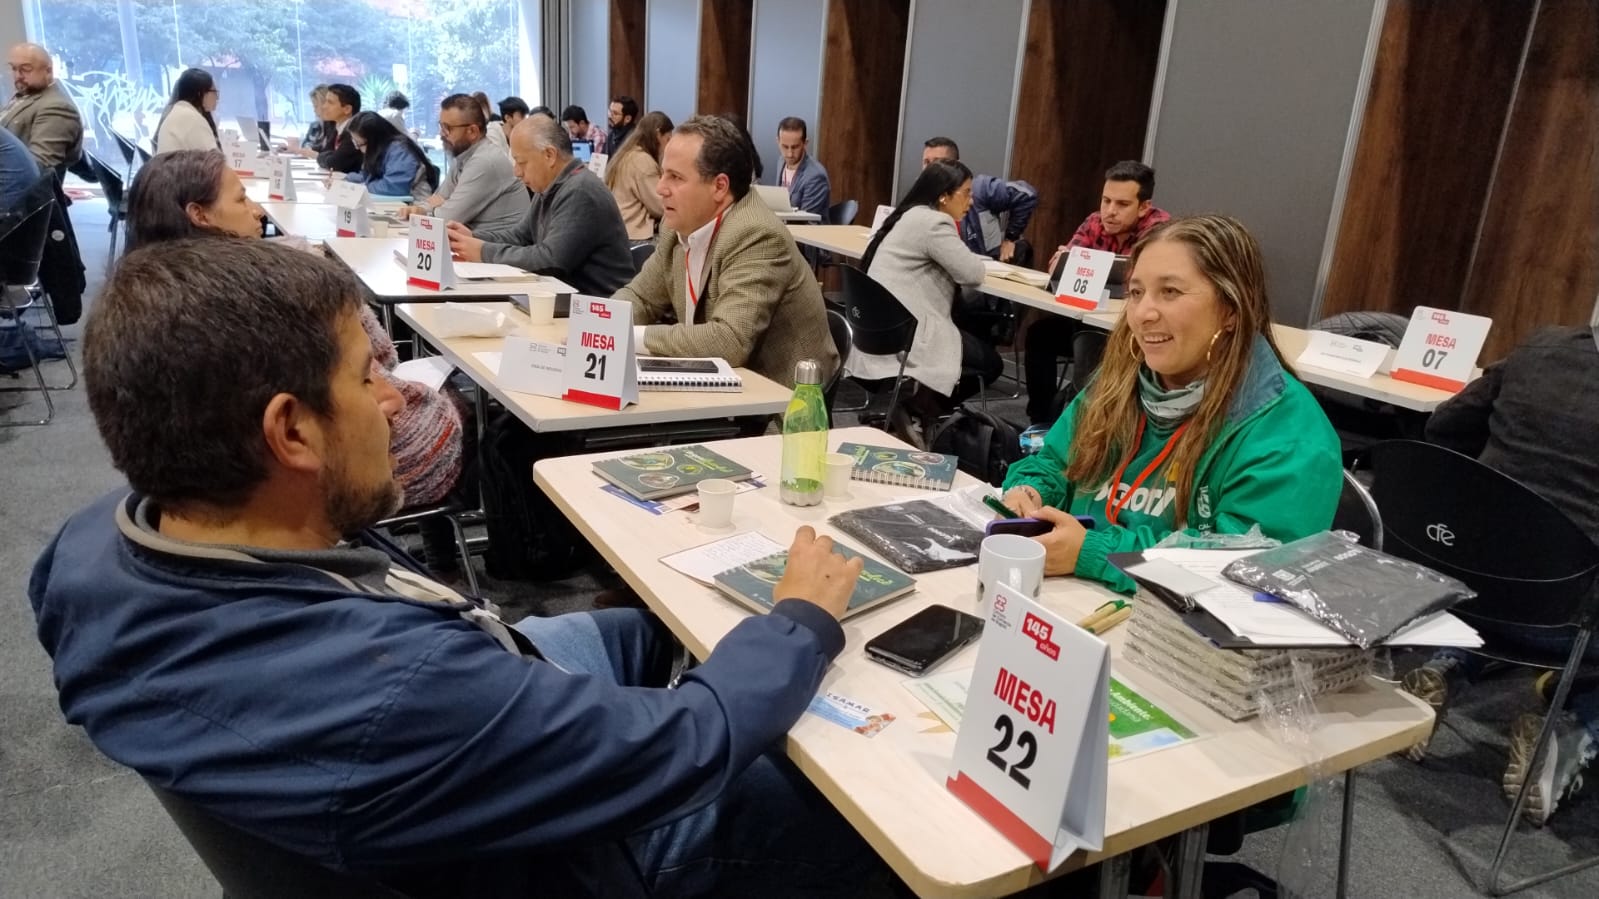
(668, 471)
(904, 467)
(752, 584)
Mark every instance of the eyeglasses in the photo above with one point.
(447, 128)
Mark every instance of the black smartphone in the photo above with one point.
(1029, 527)
(917, 644)
(678, 366)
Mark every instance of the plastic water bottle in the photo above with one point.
(804, 438)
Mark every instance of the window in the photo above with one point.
(118, 58)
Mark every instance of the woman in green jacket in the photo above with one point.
(1194, 416)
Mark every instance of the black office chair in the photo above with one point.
(843, 212)
(879, 325)
(1357, 513)
(1088, 347)
(128, 148)
(116, 202)
(22, 249)
(144, 154)
(1530, 566)
(844, 341)
(249, 867)
(641, 254)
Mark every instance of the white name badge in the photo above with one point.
(601, 365)
(1031, 756)
(881, 216)
(1440, 348)
(351, 218)
(1345, 355)
(347, 193)
(241, 158)
(282, 186)
(597, 164)
(1082, 279)
(427, 259)
(531, 366)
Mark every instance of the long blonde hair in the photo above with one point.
(1228, 256)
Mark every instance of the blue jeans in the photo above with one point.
(769, 834)
(1558, 642)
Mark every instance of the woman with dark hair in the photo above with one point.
(392, 165)
(1194, 422)
(920, 257)
(186, 123)
(394, 107)
(191, 193)
(633, 173)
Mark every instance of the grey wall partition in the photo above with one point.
(588, 52)
(785, 73)
(672, 57)
(960, 82)
(1255, 108)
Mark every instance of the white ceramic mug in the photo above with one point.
(1011, 559)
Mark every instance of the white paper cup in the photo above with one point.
(835, 481)
(716, 504)
(1010, 559)
(380, 228)
(541, 306)
(291, 143)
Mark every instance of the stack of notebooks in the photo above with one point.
(1233, 646)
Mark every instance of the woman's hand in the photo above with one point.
(1023, 500)
(1063, 543)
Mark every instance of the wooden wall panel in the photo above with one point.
(862, 70)
(1425, 155)
(1072, 120)
(1538, 260)
(627, 51)
(725, 56)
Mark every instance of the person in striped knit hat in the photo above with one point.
(193, 193)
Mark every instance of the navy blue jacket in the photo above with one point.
(811, 189)
(1000, 210)
(393, 736)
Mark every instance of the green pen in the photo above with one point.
(999, 507)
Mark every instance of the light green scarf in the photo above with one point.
(1167, 408)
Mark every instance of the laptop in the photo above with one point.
(1115, 282)
(775, 197)
(263, 133)
(583, 150)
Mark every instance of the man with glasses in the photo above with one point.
(480, 190)
(622, 116)
(40, 112)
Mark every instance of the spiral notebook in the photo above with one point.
(708, 374)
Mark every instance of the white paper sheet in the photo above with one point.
(430, 371)
(704, 563)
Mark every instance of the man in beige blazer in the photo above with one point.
(725, 271)
(40, 112)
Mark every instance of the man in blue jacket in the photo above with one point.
(1000, 209)
(211, 630)
(809, 188)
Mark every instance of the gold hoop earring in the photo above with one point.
(1210, 349)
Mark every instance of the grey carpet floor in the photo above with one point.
(72, 824)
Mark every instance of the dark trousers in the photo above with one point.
(1049, 339)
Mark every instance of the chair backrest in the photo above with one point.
(880, 323)
(249, 867)
(22, 247)
(1088, 347)
(843, 212)
(641, 254)
(844, 341)
(109, 180)
(126, 146)
(144, 155)
(1525, 559)
(1357, 513)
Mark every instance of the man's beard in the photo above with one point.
(351, 507)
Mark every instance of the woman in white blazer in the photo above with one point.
(187, 124)
(919, 256)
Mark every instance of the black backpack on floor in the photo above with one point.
(529, 538)
(985, 444)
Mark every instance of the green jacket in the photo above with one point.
(1276, 463)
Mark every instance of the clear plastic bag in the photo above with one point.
(1254, 538)
(1361, 593)
(915, 536)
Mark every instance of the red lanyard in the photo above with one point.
(688, 262)
(1113, 506)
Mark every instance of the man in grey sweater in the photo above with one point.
(573, 230)
(480, 191)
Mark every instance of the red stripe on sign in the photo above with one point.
(593, 399)
(276, 196)
(1004, 820)
(1076, 302)
(1426, 380)
(342, 232)
(418, 282)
